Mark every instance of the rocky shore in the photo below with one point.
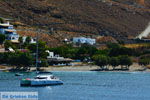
(134, 67)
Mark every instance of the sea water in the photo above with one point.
(86, 86)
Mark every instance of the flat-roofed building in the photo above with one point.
(9, 31)
(82, 40)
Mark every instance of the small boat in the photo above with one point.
(18, 74)
(43, 72)
(41, 80)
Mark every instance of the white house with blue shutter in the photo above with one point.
(83, 40)
(9, 31)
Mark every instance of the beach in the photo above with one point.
(134, 67)
(72, 68)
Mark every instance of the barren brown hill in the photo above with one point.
(117, 18)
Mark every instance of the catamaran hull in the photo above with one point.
(45, 83)
(41, 83)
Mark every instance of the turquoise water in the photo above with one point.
(86, 86)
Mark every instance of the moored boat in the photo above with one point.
(18, 74)
(41, 80)
(43, 72)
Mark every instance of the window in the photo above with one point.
(40, 77)
(13, 38)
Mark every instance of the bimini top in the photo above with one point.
(5, 24)
(44, 76)
(10, 30)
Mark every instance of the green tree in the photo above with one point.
(1, 58)
(1, 20)
(32, 47)
(25, 59)
(125, 60)
(113, 45)
(66, 50)
(114, 61)
(20, 40)
(42, 47)
(8, 44)
(121, 51)
(20, 60)
(2, 38)
(102, 61)
(103, 52)
(43, 63)
(6, 57)
(144, 61)
(14, 59)
(28, 40)
(86, 51)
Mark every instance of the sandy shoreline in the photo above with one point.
(72, 68)
(134, 67)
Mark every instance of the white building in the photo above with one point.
(52, 56)
(33, 40)
(83, 40)
(9, 31)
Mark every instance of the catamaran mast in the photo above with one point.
(37, 51)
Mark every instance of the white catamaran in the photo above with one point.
(40, 80)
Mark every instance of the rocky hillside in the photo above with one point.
(117, 18)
